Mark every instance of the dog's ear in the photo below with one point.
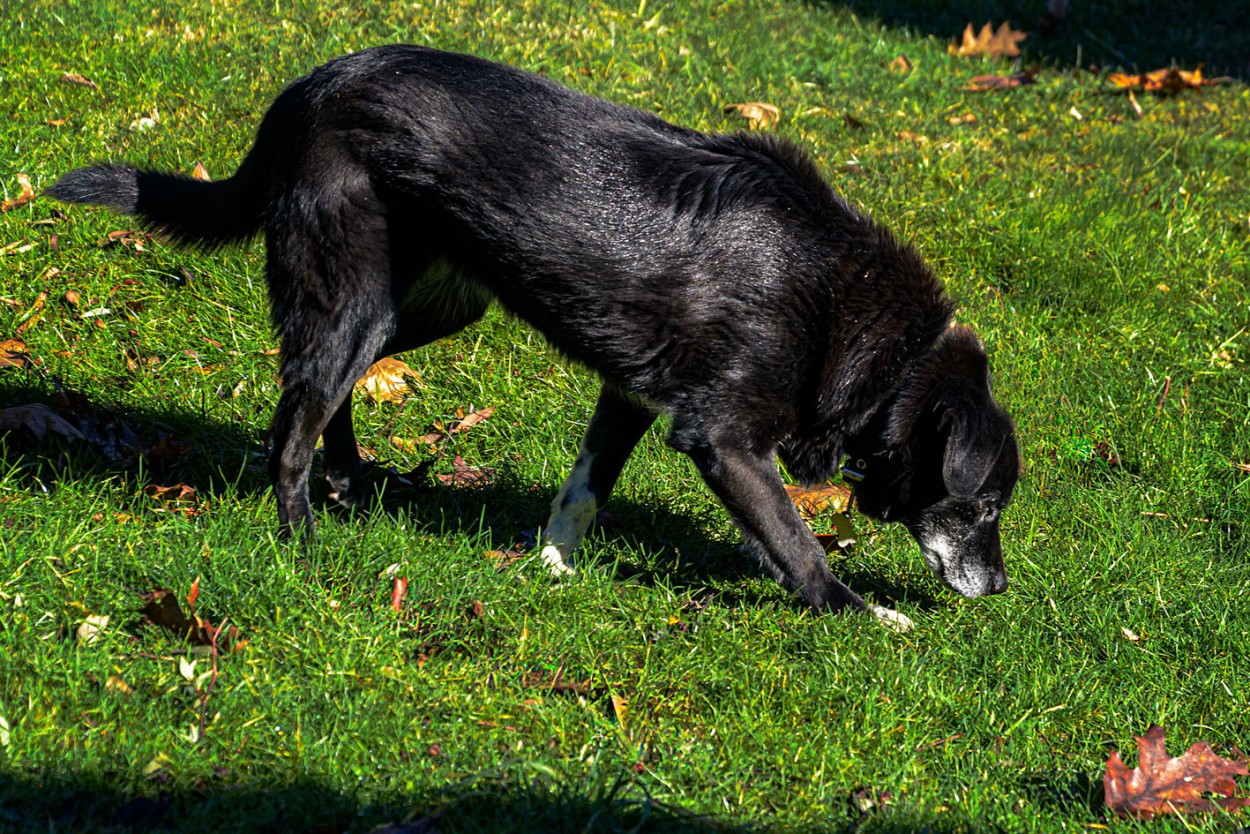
(977, 431)
(973, 446)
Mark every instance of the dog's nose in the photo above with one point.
(1000, 583)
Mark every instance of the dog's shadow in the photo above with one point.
(170, 445)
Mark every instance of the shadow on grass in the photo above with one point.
(517, 801)
(135, 448)
(516, 798)
(1132, 34)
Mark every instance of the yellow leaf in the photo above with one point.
(24, 196)
(814, 500)
(757, 113)
(385, 381)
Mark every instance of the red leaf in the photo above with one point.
(1198, 781)
(397, 595)
(194, 594)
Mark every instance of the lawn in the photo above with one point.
(1102, 253)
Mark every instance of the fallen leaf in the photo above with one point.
(398, 593)
(463, 475)
(504, 558)
(193, 594)
(1001, 43)
(986, 83)
(39, 420)
(199, 172)
(556, 682)
(865, 799)
(386, 380)
(1164, 81)
(24, 196)
(13, 354)
(178, 499)
(161, 609)
(757, 113)
(129, 238)
(965, 119)
(90, 629)
(1129, 635)
(811, 501)
(620, 709)
(425, 825)
(901, 64)
(468, 421)
(79, 79)
(1199, 781)
(116, 684)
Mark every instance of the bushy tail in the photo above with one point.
(189, 210)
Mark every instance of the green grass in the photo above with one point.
(1105, 259)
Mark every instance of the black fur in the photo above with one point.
(714, 278)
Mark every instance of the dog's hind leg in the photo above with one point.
(317, 380)
(440, 301)
(619, 422)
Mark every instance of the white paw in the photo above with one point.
(891, 618)
(555, 561)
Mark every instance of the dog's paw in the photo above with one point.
(554, 561)
(891, 618)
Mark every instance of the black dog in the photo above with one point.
(717, 279)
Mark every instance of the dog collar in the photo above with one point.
(855, 474)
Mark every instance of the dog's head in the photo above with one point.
(943, 462)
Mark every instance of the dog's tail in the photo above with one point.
(188, 210)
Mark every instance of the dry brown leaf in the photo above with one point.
(757, 113)
(463, 475)
(468, 421)
(199, 172)
(901, 64)
(161, 609)
(179, 499)
(13, 354)
(1199, 781)
(985, 83)
(386, 380)
(39, 419)
(814, 500)
(1170, 80)
(79, 79)
(25, 195)
(1001, 43)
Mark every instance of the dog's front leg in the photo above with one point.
(750, 487)
(618, 424)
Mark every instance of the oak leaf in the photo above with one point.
(1003, 42)
(757, 113)
(1198, 781)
